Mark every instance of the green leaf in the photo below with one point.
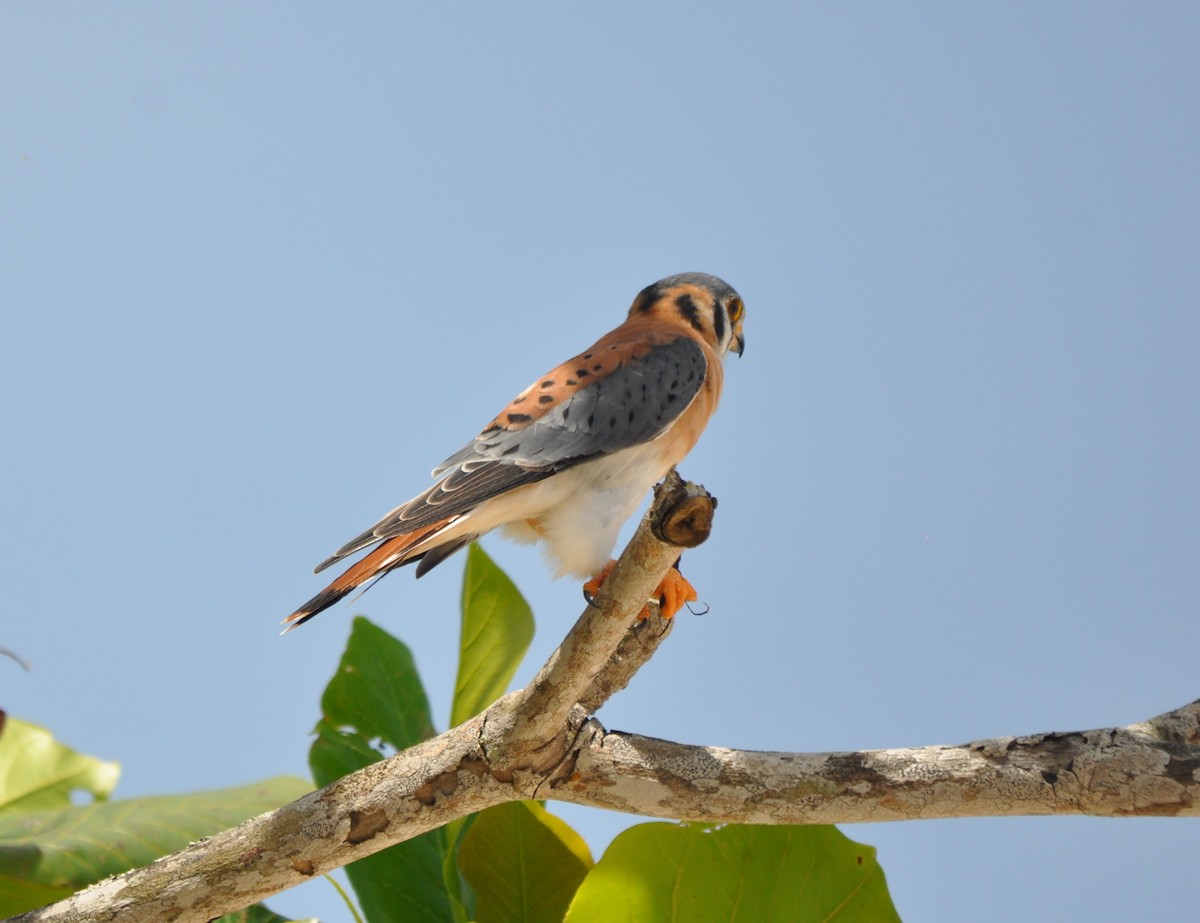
(404, 882)
(497, 626)
(755, 874)
(376, 695)
(406, 876)
(455, 882)
(524, 864)
(37, 773)
(46, 855)
(377, 690)
(336, 753)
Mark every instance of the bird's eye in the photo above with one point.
(736, 310)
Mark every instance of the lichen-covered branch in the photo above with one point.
(543, 742)
(1148, 769)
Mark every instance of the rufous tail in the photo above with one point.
(391, 554)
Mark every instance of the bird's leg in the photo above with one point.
(672, 593)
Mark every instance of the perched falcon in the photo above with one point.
(570, 459)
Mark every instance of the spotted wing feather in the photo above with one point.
(635, 402)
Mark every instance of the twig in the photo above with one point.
(21, 661)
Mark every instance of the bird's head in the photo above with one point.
(707, 304)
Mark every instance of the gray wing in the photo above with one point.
(635, 403)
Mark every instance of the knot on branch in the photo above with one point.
(682, 513)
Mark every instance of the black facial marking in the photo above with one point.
(689, 311)
(519, 418)
(719, 323)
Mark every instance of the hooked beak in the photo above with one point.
(738, 344)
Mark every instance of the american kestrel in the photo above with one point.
(572, 456)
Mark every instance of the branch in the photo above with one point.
(517, 746)
(529, 735)
(541, 742)
(1150, 769)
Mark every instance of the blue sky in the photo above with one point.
(264, 265)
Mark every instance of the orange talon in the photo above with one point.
(672, 594)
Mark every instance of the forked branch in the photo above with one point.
(542, 742)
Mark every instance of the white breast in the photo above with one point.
(578, 513)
